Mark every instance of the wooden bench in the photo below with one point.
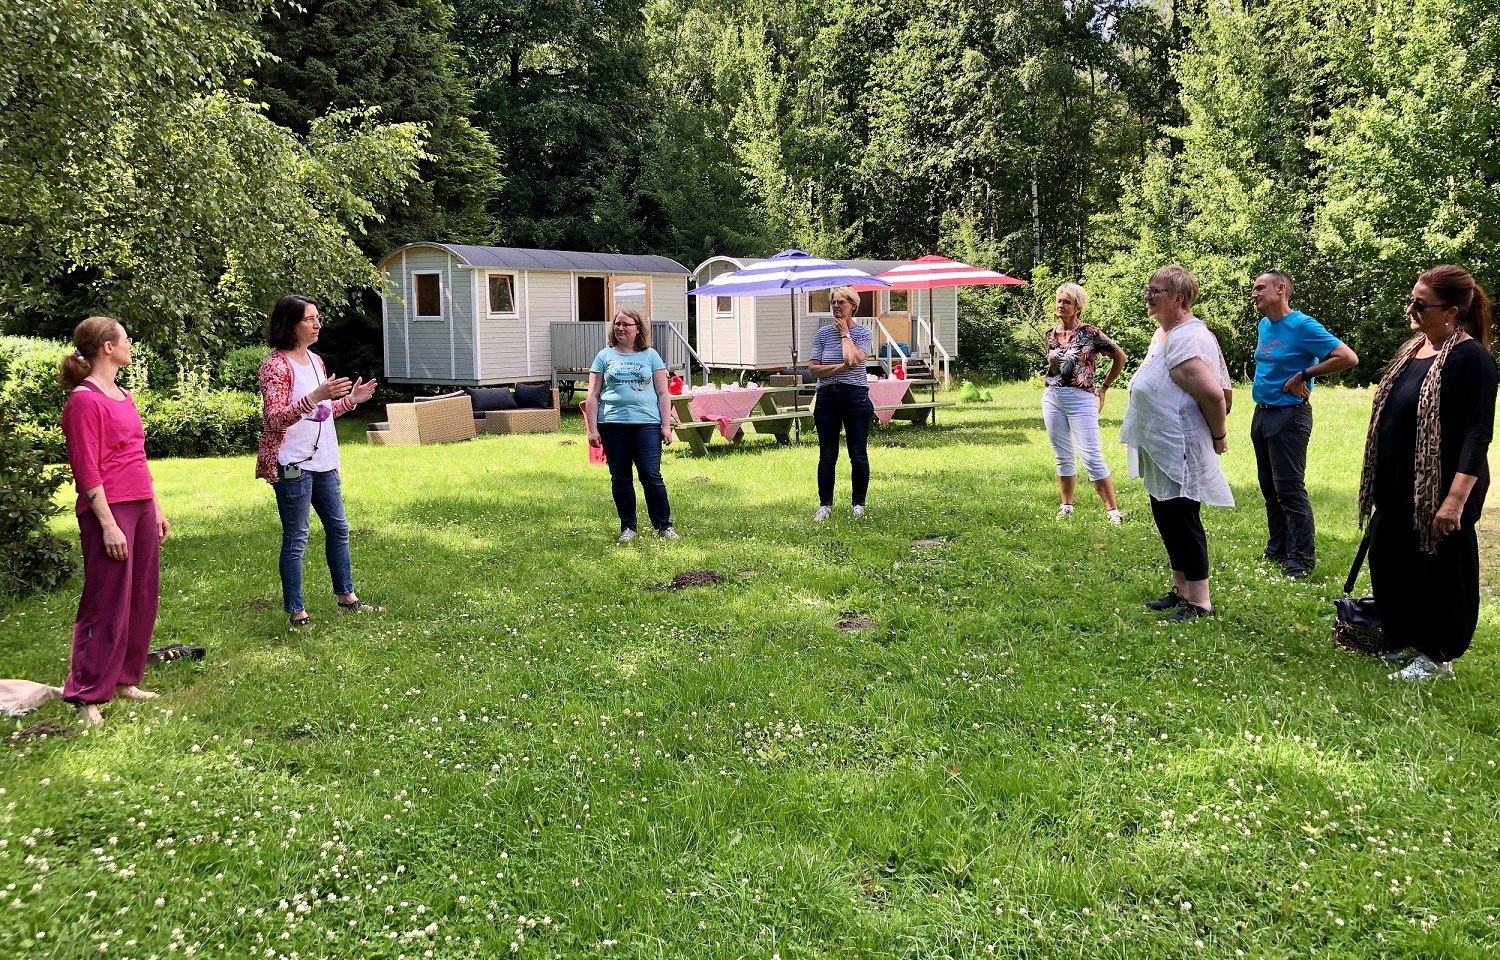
(913, 412)
(697, 433)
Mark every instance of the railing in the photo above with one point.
(575, 344)
(935, 348)
(878, 330)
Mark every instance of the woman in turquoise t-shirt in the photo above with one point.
(629, 415)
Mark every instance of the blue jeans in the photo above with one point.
(318, 490)
(847, 407)
(639, 444)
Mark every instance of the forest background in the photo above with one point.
(180, 163)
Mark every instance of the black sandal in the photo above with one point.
(302, 621)
(359, 606)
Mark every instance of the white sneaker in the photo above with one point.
(1115, 517)
(857, 511)
(823, 514)
(667, 533)
(626, 536)
(1424, 668)
(1066, 510)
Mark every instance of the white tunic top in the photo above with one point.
(1167, 440)
(311, 443)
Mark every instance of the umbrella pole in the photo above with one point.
(796, 374)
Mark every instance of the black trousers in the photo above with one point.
(847, 407)
(1429, 602)
(1280, 436)
(1181, 529)
(638, 445)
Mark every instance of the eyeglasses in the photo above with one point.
(624, 323)
(1420, 305)
(841, 303)
(1150, 292)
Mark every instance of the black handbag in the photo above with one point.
(1356, 620)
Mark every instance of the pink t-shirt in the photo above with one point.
(106, 444)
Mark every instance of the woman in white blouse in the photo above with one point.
(1174, 432)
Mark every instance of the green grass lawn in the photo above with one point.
(537, 751)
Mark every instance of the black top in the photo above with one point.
(1466, 408)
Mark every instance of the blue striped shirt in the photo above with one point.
(828, 348)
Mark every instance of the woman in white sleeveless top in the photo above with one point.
(1175, 432)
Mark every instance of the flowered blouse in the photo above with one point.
(1072, 363)
(278, 410)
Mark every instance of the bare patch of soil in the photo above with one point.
(854, 620)
(694, 578)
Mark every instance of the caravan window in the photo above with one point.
(429, 295)
(502, 294)
(818, 301)
(896, 301)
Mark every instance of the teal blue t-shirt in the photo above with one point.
(1284, 347)
(628, 395)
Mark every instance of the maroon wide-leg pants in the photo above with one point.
(117, 610)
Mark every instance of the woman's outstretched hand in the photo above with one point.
(362, 390)
(334, 388)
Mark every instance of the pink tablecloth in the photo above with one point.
(724, 406)
(886, 393)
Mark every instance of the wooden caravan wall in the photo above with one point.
(431, 351)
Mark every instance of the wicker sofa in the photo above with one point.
(522, 419)
(441, 419)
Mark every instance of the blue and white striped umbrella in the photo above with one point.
(786, 271)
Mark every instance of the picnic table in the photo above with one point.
(893, 400)
(731, 411)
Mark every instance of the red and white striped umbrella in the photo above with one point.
(931, 271)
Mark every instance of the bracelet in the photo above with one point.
(1220, 436)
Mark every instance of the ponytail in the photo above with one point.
(89, 337)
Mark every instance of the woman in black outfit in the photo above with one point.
(1426, 474)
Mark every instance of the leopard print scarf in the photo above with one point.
(1427, 494)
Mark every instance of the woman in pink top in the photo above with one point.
(120, 523)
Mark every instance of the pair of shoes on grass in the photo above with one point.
(1114, 516)
(823, 513)
(1423, 667)
(627, 536)
(1185, 611)
(302, 618)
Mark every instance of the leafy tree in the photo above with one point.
(138, 180)
(560, 89)
(395, 55)
(1414, 178)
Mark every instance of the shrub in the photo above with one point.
(30, 395)
(238, 369)
(32, 559)
(215, 422)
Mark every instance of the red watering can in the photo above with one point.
(674, 385)
(899, 370)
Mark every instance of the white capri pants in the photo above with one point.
(1072, 417)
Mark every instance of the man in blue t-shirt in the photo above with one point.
(1291, 350)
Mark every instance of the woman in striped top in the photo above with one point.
(838, 364)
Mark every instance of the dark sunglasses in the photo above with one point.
(1421, 305)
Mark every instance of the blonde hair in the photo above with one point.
(1076, 293)
(1176, 280)
(843, 293)
(89, 337)
(642, 328)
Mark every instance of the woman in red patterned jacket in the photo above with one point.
(299, 450)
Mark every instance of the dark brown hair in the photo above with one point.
(89, 337)
(1455, 287)
(285, 316)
